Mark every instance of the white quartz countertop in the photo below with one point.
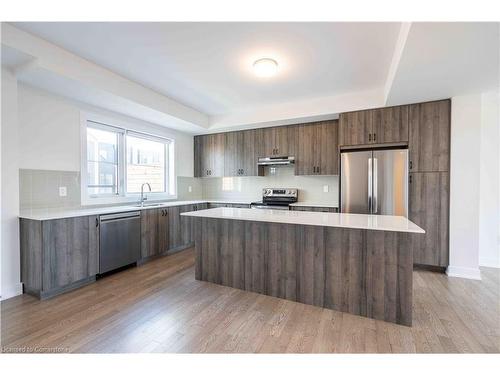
(325, 219)
(62, 213)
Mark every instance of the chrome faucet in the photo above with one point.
(143, 198)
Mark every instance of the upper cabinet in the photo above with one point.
(240, 153)
(209, 155)
(390, 125)
(317, 148)
(374, 126)
(277, 141)
(429, 142)
(355, 128)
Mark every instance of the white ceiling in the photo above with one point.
(207, 66)
(446, 59)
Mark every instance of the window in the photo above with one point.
(118, 161)
(102, 160)
(146, 162)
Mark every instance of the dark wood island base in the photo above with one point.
(358, 271)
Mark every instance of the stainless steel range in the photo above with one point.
(276, 199)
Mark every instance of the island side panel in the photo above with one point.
(389, 282)
(311, 265)
(231, 262)
(282, 261)
(256, 251)
(362, 272)
(344, 259)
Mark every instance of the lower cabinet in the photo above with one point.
(164, 230)
(233, 205)
(429, 209)
(314, 209)
(154, 232)
(58, 255)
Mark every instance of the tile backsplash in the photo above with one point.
(250, 188)
(40, 188)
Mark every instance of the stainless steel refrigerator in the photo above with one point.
(374, 182)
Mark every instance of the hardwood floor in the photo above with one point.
(160, 307)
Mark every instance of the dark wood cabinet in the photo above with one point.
(209, 155)
(240, 156)
(314, 209)
(58, 255)
(155, 232)
(234, 205)
(374, 126)
(429, 140)
(180, 228)
(317, 148)
(276, 141)
(355, 128)
(390, 125)
(429, 209)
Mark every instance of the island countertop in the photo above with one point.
(325, 219)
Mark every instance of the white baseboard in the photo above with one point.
(464, 272)
(10, 291)
(489, 262)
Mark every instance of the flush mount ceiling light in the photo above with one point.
(265, 67)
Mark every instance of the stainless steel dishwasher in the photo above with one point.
(119, 240)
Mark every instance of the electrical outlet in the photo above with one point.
(190, 189)
(326, 188)
(63, 191)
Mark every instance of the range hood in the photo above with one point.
(276, 160)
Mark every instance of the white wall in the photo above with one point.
(49, 132)
(489, 253)
(10, 256)
(464, 186)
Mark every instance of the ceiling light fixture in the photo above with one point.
(265, 67)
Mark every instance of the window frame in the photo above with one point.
(123, 129)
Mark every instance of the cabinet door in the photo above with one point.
(285, 140)
(355, 128)
(233, 150)
(150, 233)
(268, 145)
(217, 144)
(328, 142)
(317, 149)
(70, 250)
(174, 227)
(390, 124)
(186, 225)
(209, 155)
(428, 206)
(163, 230)
(308, 149)
(248, 153)
(429, 141)
(198, 156)
(277, 141)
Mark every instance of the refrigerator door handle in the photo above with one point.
(375, 185)
(370, 185)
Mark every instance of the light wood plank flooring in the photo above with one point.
(160, 307)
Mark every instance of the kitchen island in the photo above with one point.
(359, 264)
